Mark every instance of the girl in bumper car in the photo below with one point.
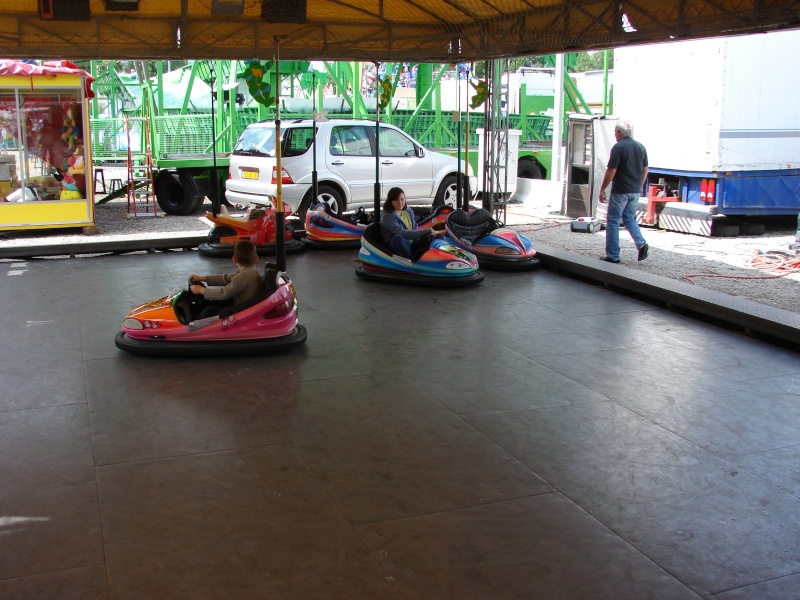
(399, 225)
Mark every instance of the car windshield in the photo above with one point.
(256, 141)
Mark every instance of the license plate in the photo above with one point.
(249, 174)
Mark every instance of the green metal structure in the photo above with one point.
(196, 114)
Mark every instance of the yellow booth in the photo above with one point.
(45, 154)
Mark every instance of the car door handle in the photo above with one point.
(387, 162)
(337, 162)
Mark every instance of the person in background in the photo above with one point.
(398, 224)
(234, 288)
(626, 172)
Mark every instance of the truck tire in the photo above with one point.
(724, 230)
(752, 229)
(528, 168)
(193, 191)
(212, 192)
(171, 195)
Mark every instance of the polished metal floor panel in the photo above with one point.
(534, 436)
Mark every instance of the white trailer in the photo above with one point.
(720, 119)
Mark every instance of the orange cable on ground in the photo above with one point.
(781, 263)
(776, 261)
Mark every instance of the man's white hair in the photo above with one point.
(624, 127)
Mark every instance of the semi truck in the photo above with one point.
(721, 124)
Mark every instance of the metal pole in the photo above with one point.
(460, 177)
(280, 217)
(466, 135)
(605, 82)
(215, 199)
(558, 120)
(314, 180)
(377, 149)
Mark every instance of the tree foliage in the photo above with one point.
(526, 61)
(585, 61)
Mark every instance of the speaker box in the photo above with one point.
(129, 5)
(64, 10)
(227, 7)
(283, 11)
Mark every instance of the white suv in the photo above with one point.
(345, 166)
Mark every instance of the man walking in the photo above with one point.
(626, 172)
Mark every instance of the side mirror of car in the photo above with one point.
(420, 151)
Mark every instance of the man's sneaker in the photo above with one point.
(643, 252)
(611, 260)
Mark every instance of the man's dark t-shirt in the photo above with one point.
(629, 158)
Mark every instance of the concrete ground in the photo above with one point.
(533, 436)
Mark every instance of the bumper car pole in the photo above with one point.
(377, 147)
(314, 179)
(280, 217)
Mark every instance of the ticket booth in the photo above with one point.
(45, 152)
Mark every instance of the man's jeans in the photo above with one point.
(622, 206)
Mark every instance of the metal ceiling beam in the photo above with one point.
(352, 30)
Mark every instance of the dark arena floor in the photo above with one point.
(535, 436)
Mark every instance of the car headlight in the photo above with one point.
(132, 324)
(506, 250)
(456, 266)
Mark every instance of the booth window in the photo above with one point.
(41, 151)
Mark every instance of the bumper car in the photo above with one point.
(257, 226)
(435, 263)
(436, 219)
(170, 326)
(496, 247)
(327, 230)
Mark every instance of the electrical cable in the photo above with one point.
(778, 262)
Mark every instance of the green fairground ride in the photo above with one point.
(196, 112)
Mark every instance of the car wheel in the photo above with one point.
(324, 194)
(448, 192)
(332, 197)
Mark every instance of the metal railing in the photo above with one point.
(193, 134)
